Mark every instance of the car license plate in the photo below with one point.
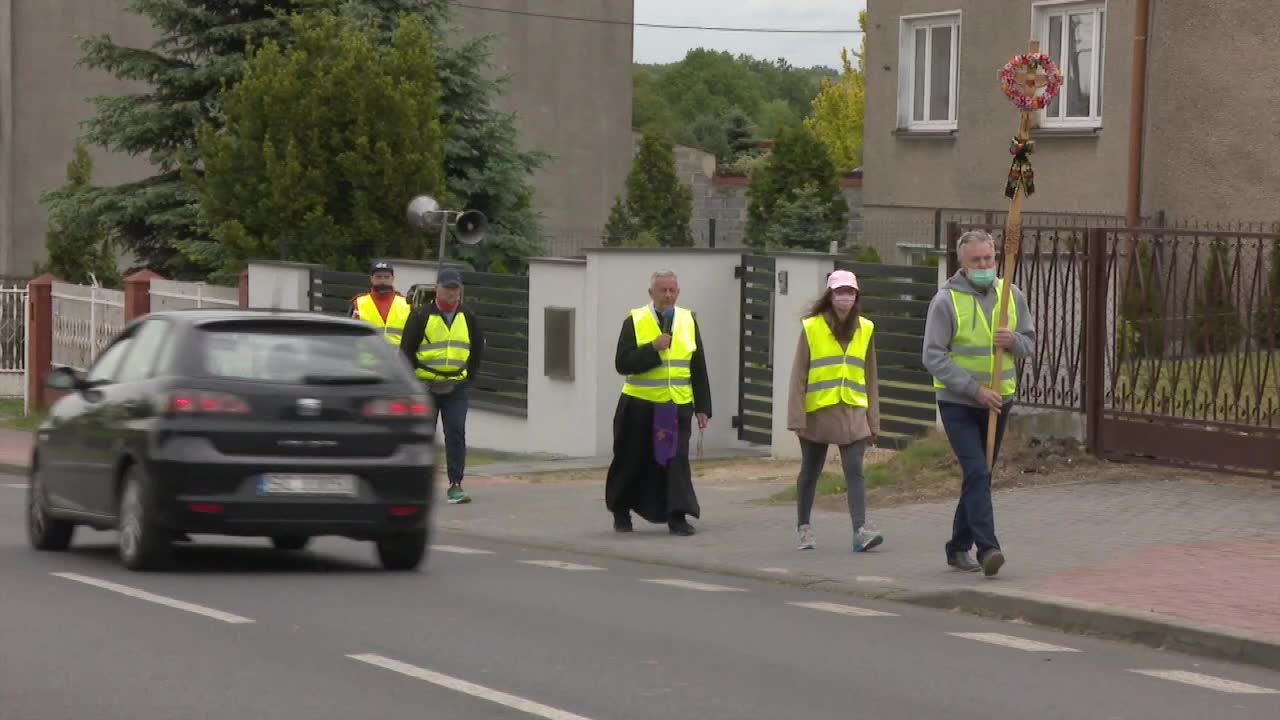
(325, 485)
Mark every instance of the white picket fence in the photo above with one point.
(13, 341)
(85, 320)
(176, 295)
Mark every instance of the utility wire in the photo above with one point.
(662, 26)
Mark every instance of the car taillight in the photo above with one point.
(203, 402)
(409, 407)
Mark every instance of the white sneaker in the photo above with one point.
(806, 537)
(865, 539)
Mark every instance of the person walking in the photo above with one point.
(835, 400)
(961, 331)
(382, 307)
(444, 343)
(661, 355)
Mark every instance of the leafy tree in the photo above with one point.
(838, 115)
(869, 254)
(322, 143)
(775, 117)
(1142, 328)
(799, 222)
(80, 253)
(798, 160)
(657, 202)
(1216, 326)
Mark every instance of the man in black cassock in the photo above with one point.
(661, 356)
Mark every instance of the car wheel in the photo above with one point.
(44, 531)
(143, 545)
(403, 552)
(290, 542)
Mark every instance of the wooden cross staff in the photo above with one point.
(1030, 83)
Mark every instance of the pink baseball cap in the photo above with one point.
(842, 278)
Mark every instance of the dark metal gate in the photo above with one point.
(332, 291)
(896, 298)
(754, 420)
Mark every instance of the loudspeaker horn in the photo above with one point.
(471, 227)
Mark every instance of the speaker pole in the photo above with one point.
(444, 237)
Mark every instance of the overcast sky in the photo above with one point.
(653, 45)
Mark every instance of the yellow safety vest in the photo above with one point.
(672, 380)
(393, 328)
(973, 346)
(444, 349)
(836, 374)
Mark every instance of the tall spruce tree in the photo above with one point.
(799, 160)
(80, 253)
(201, 50)
(657, 202)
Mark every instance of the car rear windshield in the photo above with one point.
(298, 353)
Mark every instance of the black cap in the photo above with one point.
(449, 276)
(381, 266)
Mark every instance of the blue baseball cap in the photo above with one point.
(449, 277)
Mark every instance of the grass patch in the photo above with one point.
(11, 416)
(1203, 388)
(924, 463)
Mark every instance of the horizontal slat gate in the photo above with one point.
(754, 420)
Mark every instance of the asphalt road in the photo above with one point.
(489, 631)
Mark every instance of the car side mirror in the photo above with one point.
(65, 378)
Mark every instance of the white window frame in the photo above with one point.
(908, 25)
(1041, 13)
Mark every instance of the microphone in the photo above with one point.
(668, 317)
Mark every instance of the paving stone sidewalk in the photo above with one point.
(1205, 555)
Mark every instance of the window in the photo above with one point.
(107, 367)
(928, 78)
(147, 343)
(1073, 34)
(292, 355)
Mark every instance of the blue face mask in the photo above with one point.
(982, 279)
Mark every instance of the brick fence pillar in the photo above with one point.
(39, 338)
(137, 294)
(244, 288)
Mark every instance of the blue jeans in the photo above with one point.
(966, 428)
(453, 415)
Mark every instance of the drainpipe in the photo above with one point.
(1137, 107)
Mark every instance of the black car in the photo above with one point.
(238, 422)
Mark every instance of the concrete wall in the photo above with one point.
(571, 90)
(285, 286)
(563, 414)
(806, 279)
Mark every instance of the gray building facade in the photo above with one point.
(571, 90)
(938, 126)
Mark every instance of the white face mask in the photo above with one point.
(843, 303)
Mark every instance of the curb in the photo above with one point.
(13, 469)
(1149, 629)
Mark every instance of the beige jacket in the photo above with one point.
(839, 424)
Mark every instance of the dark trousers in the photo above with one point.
(453, 415)
(966, 428)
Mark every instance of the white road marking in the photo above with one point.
(691, 585)
(1208, 681)
(776, 571)
(15, 486)
(843, 609)
(157, 599)
(560, 565)
(459, 550)
(462, 686)
(874, 579)
(1016, 643)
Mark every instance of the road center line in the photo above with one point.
(462, 686)
(157, 599)
(560, 565)
(691, 585)
(1016, 643)
(1208, 681)
(460, 550)
(843, 609)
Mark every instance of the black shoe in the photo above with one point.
(622, 522)
(681, 528)
(991, 561)
(962, 562)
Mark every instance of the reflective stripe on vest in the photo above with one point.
(671, 381)
(444, 348)
(836, 374)
(972, 347)
(393, 328)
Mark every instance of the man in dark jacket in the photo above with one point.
(443, 343)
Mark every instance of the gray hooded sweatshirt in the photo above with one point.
(940, 327)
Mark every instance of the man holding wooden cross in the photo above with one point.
(959, 351)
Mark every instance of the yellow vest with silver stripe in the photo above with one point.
(445, 349)
(836, 374)
(672, 380)
(393, 328)
(973, 347)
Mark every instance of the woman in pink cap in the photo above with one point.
(835, 400)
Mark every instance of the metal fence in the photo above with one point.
(85, 320)
(13, 341)
(176, 295)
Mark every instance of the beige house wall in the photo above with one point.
(571, 88)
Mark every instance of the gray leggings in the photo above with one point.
(813, 457)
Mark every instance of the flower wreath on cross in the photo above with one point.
(1022, 78)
